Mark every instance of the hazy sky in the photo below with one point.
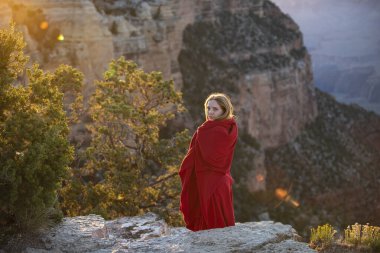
(341, 28)
(343, 38)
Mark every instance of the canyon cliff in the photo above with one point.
(247, 49)
(270, 73)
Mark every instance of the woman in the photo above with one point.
(206, 197)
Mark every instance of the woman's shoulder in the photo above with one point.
(220, 130)
(222, 126)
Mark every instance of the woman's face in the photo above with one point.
(213, 109)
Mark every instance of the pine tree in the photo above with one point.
(129, 168)
(34, 147)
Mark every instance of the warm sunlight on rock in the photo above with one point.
(44, 25)
(60, 37)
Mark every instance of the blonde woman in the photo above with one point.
(206, 196)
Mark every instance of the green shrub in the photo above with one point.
(34, 147)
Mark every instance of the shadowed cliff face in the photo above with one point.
(254, 53)
(256, 57)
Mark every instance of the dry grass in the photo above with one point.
(357, 239)
(365, 235)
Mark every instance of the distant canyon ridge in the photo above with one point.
(295, 142)
(343, 39)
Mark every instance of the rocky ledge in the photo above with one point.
(148, 233)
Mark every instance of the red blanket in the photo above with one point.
(206, 197)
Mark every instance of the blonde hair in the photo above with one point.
(224, 102)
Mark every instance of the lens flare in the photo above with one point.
(44, 25)
(61, 37)
(283, 195)
(294, 202)
(259, 178)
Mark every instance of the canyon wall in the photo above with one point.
(273, 102)
(247, 49)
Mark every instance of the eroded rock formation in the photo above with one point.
(248, 49)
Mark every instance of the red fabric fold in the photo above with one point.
(206, 196)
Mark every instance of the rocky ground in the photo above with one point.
(148, 233)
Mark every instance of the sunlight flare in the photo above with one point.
(61, 37)
(284, 195)
(44, 25)
(259, 178)
(281, 193)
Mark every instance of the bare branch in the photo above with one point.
(163, 179)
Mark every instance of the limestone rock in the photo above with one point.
(87, 41)
(148, 233)
(5, 14)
